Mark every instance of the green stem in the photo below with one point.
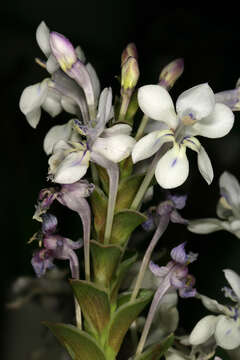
(162, 226)
(78, 314)
(124, 107)
(112, 196)
(141, 128)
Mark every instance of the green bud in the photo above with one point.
(130, 74)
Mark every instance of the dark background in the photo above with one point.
(208, 40)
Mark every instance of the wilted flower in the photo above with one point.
(197, 114)
(225, 327)
(228, 209)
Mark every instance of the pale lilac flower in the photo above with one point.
(225, 327)
(228, 209)
(197, 114)
(231, 98)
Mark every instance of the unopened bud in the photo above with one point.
(129, 51)
(171, 73)
(130, 74)
(63, 50)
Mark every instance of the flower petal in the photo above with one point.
(178, 254)
(205, 166)
(42, 36)
(72, 168)
(198, 100)
(52, 64)
(234, 281)
(117, 129)
(173, 168)
(213, 305)
(160, 271)
(204, 329)
(114, 148)
(150, 144)
(204, 226)
(230, 189)
(227, 333)
(157, 104)
(95, 81)
(217, 124)
(52, 103)
(55, 134)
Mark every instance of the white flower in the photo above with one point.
(226, 326)
(71, 154)
(43, 95)
(197, 114)
(228, 209)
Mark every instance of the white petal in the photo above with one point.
(216, 124)
(234, 281)
(204, 226)
(33, 117)
(227, 333)
(173, 356)
(32, 97)
(52, 64)
(157, 104)
(60, 149)
(213, 305)
(173, 168)
(204, 165)
(72, 168)
(204, 329)
(52, 103)
(42, 36)
(230, 189)
(150, 144)
(199, 100)
(115, 148)
(69, 105)
(95, 81)
(56, 133)
(80, 54)
(116, 130)
(154, 125)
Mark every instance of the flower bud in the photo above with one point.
(130, 74)
(171, 73)
(129, 51)
(63, 51)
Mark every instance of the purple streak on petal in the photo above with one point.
(229, 293)
(41, 261)
(187, 292)
(49, 224)
(178, 254)
(175, 217)
(174, 162)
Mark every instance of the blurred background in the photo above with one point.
(208, 40)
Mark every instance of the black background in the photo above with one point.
(207, 39)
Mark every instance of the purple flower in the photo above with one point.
(55, 247)
(175, 273)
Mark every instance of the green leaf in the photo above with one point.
(103, 176)
(124, 223)
(99, 207)
(105, 259)
(156, 351)
(125, 167)
(123, 318)
(127, 190)
(120, 274)
(79, 344)
(94, 304)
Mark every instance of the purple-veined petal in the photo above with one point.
(49, 224)
(150, 144)
(227, 333)
(204, 329)
(230, 98)
(234, 280)
(72, 168)
(55, 134)
(157, 104)
(178, 254)
(176, 282)
(42, 36)
(199, 100)
(173, 168)
(230, 189)
(41, 261)
(115, 148)
(205, 226)
(217, 124)
(178, 200)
